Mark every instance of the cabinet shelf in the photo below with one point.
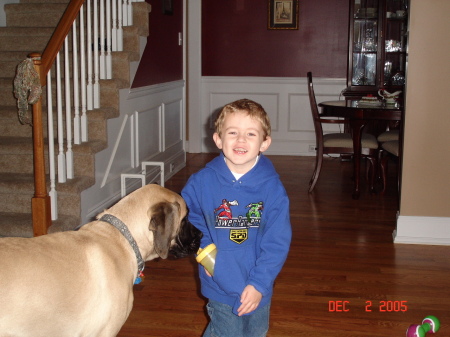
(396, 52)
(366, 19)
(396, 19)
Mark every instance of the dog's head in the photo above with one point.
(163, 213)
(187, 241)
(172, 233)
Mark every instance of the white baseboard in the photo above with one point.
(422, 230)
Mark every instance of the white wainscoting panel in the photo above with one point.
(151, 127)
(149, 132)
(285, 100)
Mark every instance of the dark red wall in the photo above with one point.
(236, 41)
(162, 60)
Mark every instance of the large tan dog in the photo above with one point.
(80, 283)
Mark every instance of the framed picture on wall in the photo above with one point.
(283, 14)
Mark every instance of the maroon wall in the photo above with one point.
(236, 41)
(162, 60)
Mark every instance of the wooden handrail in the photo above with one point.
(57, 39)
(40, 203)
(74, 131)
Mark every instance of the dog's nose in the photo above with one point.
(187, 241)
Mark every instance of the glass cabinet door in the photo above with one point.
(377, 45)
(395, 34)
(365, 44)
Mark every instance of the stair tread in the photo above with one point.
(93, 114)
(12, 56)
(6, 81)
(12, 182)
(48, 2)
(26, 31)
(20, 224)
(10, 144)
(15, 145)
(16, 225)
(35, 7)
(10, 111)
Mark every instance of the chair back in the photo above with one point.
(315, 111)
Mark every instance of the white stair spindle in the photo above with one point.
(51, 150)
(129, 13)
(119, 26)
(76, 88)
(69, 153)
(89, 46)
(62, 177)
(102, 41)
(124, 13)
(114, 26)
(96, 59)
(83, 120)
(108, 41)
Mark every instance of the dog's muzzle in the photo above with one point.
(187, 241)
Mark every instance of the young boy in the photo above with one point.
(240, 205)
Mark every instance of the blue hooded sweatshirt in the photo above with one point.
(247, 220)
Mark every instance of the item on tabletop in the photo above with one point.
(207, 257)
(429, 324)
(369, 100)
(388, 97)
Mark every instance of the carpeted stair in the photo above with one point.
(30, 25)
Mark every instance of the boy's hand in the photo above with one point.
(250, 300)
(207, 272)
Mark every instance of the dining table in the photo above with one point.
(359, 114)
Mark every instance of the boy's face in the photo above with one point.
(241, 141)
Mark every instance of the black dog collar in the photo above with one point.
(111, 219)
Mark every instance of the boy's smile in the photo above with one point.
(241, 141)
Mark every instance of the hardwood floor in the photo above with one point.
(342, 250)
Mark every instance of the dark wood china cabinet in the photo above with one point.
(377, 46)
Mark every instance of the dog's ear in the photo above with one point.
(162, 219)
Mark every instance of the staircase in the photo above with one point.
(30, 25)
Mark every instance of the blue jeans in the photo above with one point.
(224, 323)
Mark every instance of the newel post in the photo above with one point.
(40, 203)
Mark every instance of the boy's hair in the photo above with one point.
(253, 109)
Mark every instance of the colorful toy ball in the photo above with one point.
(415, 330)
(432, 322)
(429, 323)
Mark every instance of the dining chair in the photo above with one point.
(383, 137)
(391, 147)
(337, 143)
(388, 135)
